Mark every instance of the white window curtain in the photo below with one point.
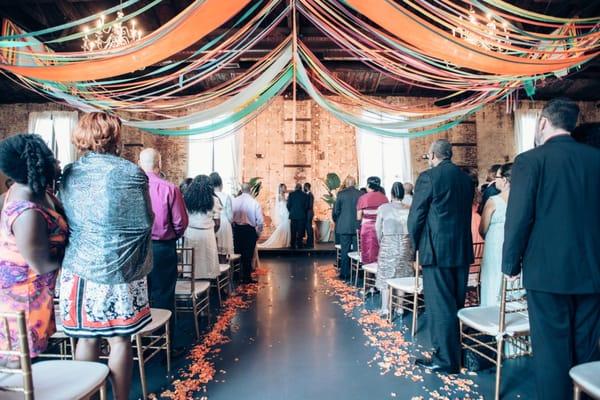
(385, 157)
(55, 127)
(525, 125)
(208, 153)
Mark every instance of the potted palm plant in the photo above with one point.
(331, 183)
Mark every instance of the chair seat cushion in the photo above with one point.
(338, 246)
(160, 317)
(59, 380)
(406, 285)
(587, 377)
(486, 320)
(184, 288)
(353, 255)
(224, 268)
(370, 268)
(235, 257)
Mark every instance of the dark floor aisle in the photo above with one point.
(294, 342)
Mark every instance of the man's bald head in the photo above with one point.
(246, 188)
(408, 188)
(150, 160)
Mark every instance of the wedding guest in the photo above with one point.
(344, 216)
(366, 208)
(395, 259)
(33, 234)
(297, 205)
(408, 194)
(248, 224)
(225, 232)
(489, 189)
(185, 184)
(475, 217)
(439, 223)
(492, 228)
(170, 222)
(310, 216)
(103, 288)
(552, 236)
(204, 213)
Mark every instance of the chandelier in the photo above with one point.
(486, 34)
(109, 37)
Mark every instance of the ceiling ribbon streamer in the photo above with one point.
(438, 43)
(206, 18)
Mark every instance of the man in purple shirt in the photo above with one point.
(170, 222)
(247, 226)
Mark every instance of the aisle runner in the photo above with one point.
(395, 354)
(201, 369)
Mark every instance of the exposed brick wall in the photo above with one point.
(330, 143)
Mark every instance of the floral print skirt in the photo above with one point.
(92, 309)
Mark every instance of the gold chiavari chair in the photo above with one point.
(586, 379)
(191, 295)
(406, 294)
(58, 379)
(369, 278)
(487, 330)
(338, 255)
(355, 260)
(475, 270)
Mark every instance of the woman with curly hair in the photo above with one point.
(103, 289)
(33, 233)
(204, 213)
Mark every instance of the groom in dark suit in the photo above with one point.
(297, 205)
(552, 234)
(439, 224)
(310, 215)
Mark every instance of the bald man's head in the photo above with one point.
(150, 160)
(408, 188)
(246, 188)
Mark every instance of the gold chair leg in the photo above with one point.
(415, 315)
(73, 344)
(103, 391)
(390, 304)
(194, 313)
(365, 286)
(168, 348)
(500, 343)
(140, 354)
(219, 292)
(576, 392)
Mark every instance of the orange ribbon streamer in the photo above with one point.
(206, 18)
(435, 42)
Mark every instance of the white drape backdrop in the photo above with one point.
(55, 127)
(525, 124)
(223, 155)
(385, 157)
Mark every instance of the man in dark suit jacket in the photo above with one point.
(344, 216)
(310, 215)
(439, 224)
(552, 233)
(297, 205)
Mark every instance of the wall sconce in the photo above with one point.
(258, 155)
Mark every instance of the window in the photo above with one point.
(525, 126)
(385, 157)
(55, 128)
(209, 152)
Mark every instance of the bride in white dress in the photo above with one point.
(281, 236)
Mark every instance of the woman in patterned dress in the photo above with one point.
(367, 213)
(33, 233)
(395, 249)
(103, 290)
